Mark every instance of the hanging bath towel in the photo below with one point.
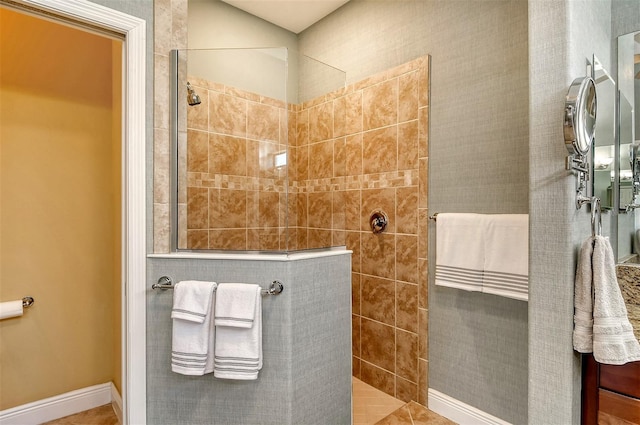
(613, 339)
(193, 331)
(460, 250)
(506, 262)
(238, 348)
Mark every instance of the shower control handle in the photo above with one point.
(378, 221)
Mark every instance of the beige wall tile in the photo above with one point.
(227, 114)
(321, 122)
(407, 258)
(263, 122)
(408, 87)
(378, 344)
(377, 378)
(227, 155)
(380, 150)
(408, 145)
(407, 355)
(197, 151)
(380, 105)
(407, 306)
(377, 299)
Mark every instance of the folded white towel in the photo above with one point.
(238, 348)
(236, 305)
(613, 338)
(506, 260)
(583, 299)
(193, 330)
(460, 243)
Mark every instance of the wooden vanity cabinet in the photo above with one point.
(610, 394)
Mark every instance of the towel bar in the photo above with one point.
(165, 282)
(27, 302)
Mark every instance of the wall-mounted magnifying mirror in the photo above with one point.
(603, 153)
(579, 130)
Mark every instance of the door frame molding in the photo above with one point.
(132, 30)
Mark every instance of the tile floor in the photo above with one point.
(370, 407)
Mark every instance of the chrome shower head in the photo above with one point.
(192, 97)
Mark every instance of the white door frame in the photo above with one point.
(83, 13)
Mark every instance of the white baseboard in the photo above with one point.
(458, 411)
(58, 406)
(116, 402)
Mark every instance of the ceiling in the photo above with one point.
(292, 15)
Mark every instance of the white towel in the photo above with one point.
(238, 348)
(613, 338)
(506, 259)
(460, 243)
(193, 330)
(236, 305)
(583, 299)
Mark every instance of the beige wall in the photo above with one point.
(59, 202)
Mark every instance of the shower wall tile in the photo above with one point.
(406, 390)
(380, 150)
(407, 306)
(380, 105)
(321, 160)
(198, 151)
(377, 299)
(378, 344)
(263, 121)
(377, 377)
(407, 210)
(198, 239)
(408, 87)
(227, 155)
(228, 208)
(408, 145)
(378, 255)
(228, 114)
(407, 258)
(321, 122)
(407, 355)
(353, 156)
(231, 239)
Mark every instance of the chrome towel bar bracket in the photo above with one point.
(27, 302)
(165, 282)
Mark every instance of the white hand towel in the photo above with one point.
(613, 338)
(236, 305)
(583, 300)
(193, 333)
(238, 349)
(460, 240)
(506, 262)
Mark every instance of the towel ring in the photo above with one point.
(596, 217)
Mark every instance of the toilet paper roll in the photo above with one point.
(10, 309)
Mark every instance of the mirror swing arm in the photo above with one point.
(579, 130)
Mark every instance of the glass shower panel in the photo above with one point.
(232, 149)
(255, 147)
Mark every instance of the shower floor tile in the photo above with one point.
(370, 404)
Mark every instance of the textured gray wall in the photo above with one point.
(306, 345)
(478, 161)
(562, 36)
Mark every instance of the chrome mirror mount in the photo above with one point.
(579, 130)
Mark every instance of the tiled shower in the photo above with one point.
(349, 152)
